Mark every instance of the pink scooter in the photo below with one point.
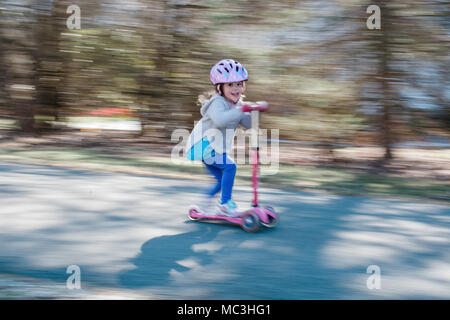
(251, 219)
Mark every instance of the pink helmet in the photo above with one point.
(226, 71)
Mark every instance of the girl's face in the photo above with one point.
(233, 91)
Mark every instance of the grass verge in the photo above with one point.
(291, 177)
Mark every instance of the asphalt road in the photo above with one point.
(130, 237)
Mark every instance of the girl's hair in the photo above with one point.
(209, 94)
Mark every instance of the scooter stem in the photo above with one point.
(255, 156)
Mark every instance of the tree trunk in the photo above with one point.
(385, 78)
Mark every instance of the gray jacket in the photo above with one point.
(218, 124)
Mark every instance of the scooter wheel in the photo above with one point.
(272, 220)
(250, 222)
(193, 210)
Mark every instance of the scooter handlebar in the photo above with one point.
(258, 106)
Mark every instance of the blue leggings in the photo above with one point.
(223, 169)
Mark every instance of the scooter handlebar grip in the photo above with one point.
(258, 106)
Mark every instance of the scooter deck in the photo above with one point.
(247, 220)
(196, 215)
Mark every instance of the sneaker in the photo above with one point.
(228, 209)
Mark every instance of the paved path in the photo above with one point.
(130, 237)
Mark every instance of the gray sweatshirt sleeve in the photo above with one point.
(220, 116)
(246, 121)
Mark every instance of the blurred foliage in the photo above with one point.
(327, 77)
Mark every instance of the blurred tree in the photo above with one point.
(383, 51)
(3, 45)
(408, 53)
(17, 23)
(49, 61)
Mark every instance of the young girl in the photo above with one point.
(212, 137)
